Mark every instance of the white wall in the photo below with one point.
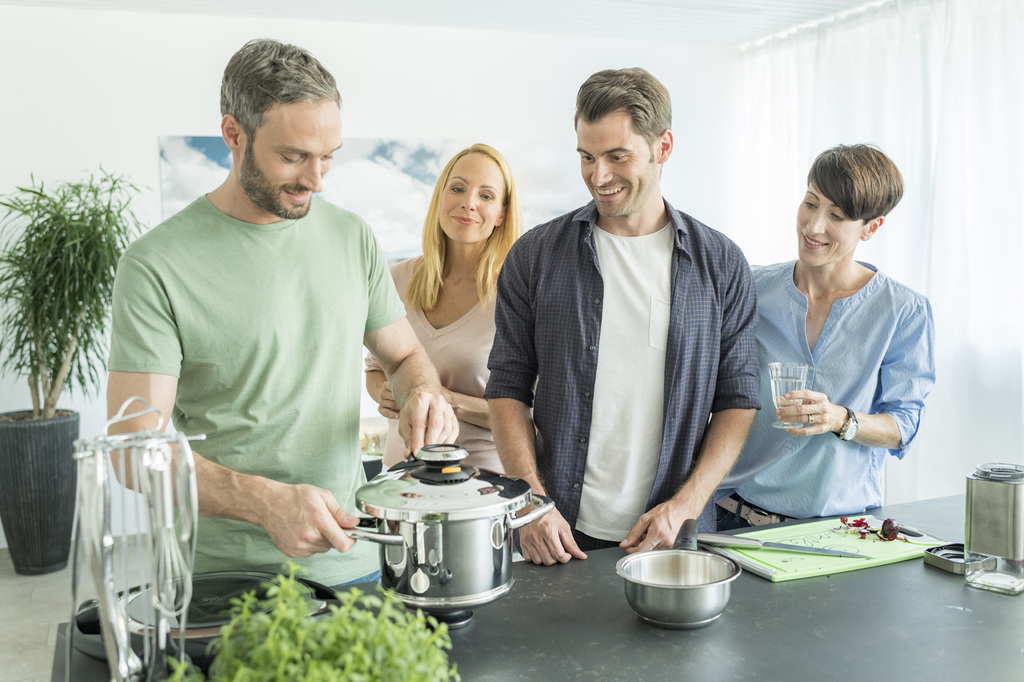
(83, 88)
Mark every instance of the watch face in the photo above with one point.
(850, 430)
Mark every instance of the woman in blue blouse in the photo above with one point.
(868, 339)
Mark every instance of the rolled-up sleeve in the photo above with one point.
(907, 374)
(738, 383)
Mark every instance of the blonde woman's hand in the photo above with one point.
(386, 404)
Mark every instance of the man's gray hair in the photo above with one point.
(265, 72)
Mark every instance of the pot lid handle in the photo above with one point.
(442, 452)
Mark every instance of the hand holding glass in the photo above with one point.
(786, 377)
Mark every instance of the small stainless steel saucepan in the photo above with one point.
(679, 588)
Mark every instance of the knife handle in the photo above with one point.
(720, 540)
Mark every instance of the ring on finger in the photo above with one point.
(810, 419)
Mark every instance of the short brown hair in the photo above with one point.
(859, 179)
(634, 91)
(265, 72)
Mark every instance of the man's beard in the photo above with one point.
(259, 190)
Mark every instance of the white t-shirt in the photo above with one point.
(629, 390)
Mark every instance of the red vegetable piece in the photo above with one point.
(890, 529)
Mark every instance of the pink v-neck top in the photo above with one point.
(459, 352)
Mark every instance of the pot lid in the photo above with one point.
(1008, 473)
(212, 594)
(435, 485)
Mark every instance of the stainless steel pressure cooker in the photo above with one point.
(445, 530)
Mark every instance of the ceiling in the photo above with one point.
(705, 22)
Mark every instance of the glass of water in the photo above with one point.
(375, 441)
(786, 377)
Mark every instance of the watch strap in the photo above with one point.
(851, 421)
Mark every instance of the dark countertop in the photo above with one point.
(901, 621)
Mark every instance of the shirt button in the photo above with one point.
(575, 486)
(597, 301)
(586, 394)
(593, 348)
(583, 440)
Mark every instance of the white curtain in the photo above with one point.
(939, 86)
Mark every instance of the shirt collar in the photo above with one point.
(587, 216)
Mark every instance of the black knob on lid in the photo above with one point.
(442, 464)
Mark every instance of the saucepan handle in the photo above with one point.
(687, 537)
(547, 505)
(367, 530)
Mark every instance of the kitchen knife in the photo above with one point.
(718, 540)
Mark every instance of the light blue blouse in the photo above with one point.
(875, 354)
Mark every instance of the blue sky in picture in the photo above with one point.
(388, 182)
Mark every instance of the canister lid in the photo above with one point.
(1010, 473)
(435, 486)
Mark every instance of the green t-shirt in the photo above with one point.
(263, 326)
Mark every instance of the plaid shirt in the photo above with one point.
(545, 352)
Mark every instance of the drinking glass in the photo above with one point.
(786, 377)
(375, 441)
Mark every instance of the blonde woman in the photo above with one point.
(473, 219)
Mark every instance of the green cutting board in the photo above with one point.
(778, 565)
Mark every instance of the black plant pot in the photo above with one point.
(38, 480)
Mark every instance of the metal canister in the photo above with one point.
(994, 532)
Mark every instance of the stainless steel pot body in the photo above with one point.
(449, 564)
(446, 535)
(678, 589)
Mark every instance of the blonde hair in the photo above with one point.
(428, 276)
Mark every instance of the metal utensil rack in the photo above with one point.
(161, 469)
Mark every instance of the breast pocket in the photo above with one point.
(658, 331)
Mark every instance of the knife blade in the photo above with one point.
(719, 540)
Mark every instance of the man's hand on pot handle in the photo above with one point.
(303, 520)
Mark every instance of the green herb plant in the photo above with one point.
(364, 638)
(58, 255)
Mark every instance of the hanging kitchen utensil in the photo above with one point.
(445, 530)
(159, 564)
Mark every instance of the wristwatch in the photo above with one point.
(849, 430)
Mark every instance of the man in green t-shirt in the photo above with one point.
(244, 318)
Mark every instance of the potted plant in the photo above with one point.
(58, 254)
(363, 637)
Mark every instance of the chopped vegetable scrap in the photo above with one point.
(887, 533)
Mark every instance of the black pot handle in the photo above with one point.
(687, 538)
